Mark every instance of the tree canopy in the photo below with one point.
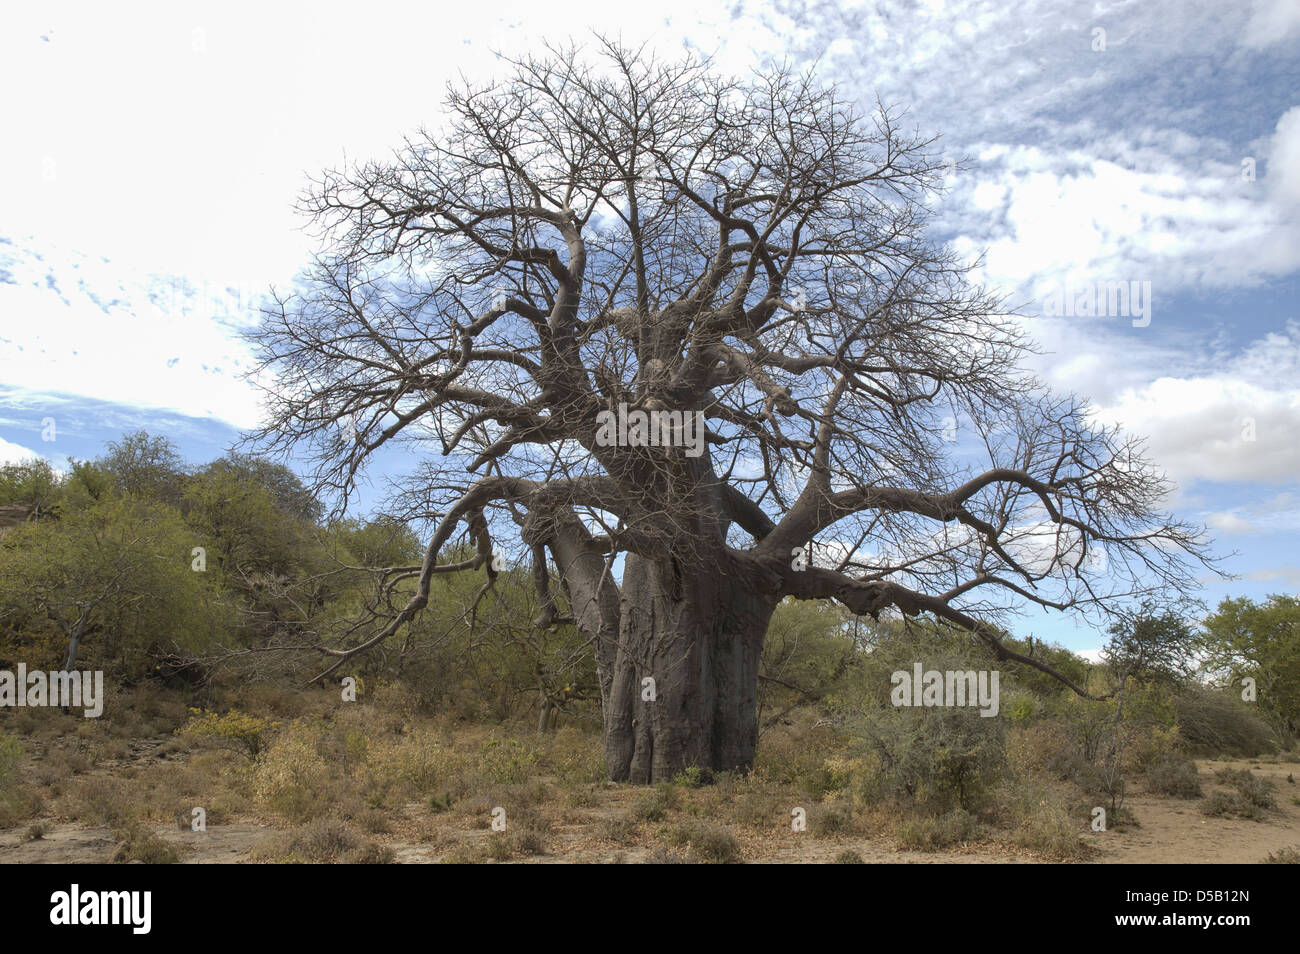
(613, 233)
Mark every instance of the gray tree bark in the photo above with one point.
(684, 689)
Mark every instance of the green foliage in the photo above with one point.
(936, 758)
(239, 520)
(481, 655)
(1035, 681)
(245, 733)
(144, 467)
(88, 480)
(1019, 706)
(690, 777)
(379, 542)
(507, 761)
(1156, 644)
(1219, 723)
(29, 482)
(286, 490)
(1260, 640)
(809, 652)
(116, 578)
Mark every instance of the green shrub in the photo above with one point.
(506, 761)
(1174, 776)
(1019, 706)
(235, 730)
(690, 777)
(1216, 723)
(937, 759)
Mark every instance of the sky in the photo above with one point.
(151, 160)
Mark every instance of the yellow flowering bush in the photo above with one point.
(236, 730)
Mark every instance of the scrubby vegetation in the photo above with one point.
(477, 738)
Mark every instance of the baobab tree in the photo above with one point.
(540, 298)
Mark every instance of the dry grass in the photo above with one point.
(367, 781)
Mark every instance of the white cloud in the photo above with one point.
(11, 453)
(1279, 514)
(177, 137)
(1271, 22)
(1284, 156)
(102, 330)
(1082, 169)
(1132, 211)
(1289, 575)
(1215, 428)
(1225, 522)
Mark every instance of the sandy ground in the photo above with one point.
(1173, 831)
(1169, 831)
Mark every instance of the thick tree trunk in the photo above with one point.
(684, 684)
(677, 640)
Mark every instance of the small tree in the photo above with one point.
(1153, 644)
(1261, 641)
(117, 573)
(807, 653)
(30, 483)
(145, 467)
